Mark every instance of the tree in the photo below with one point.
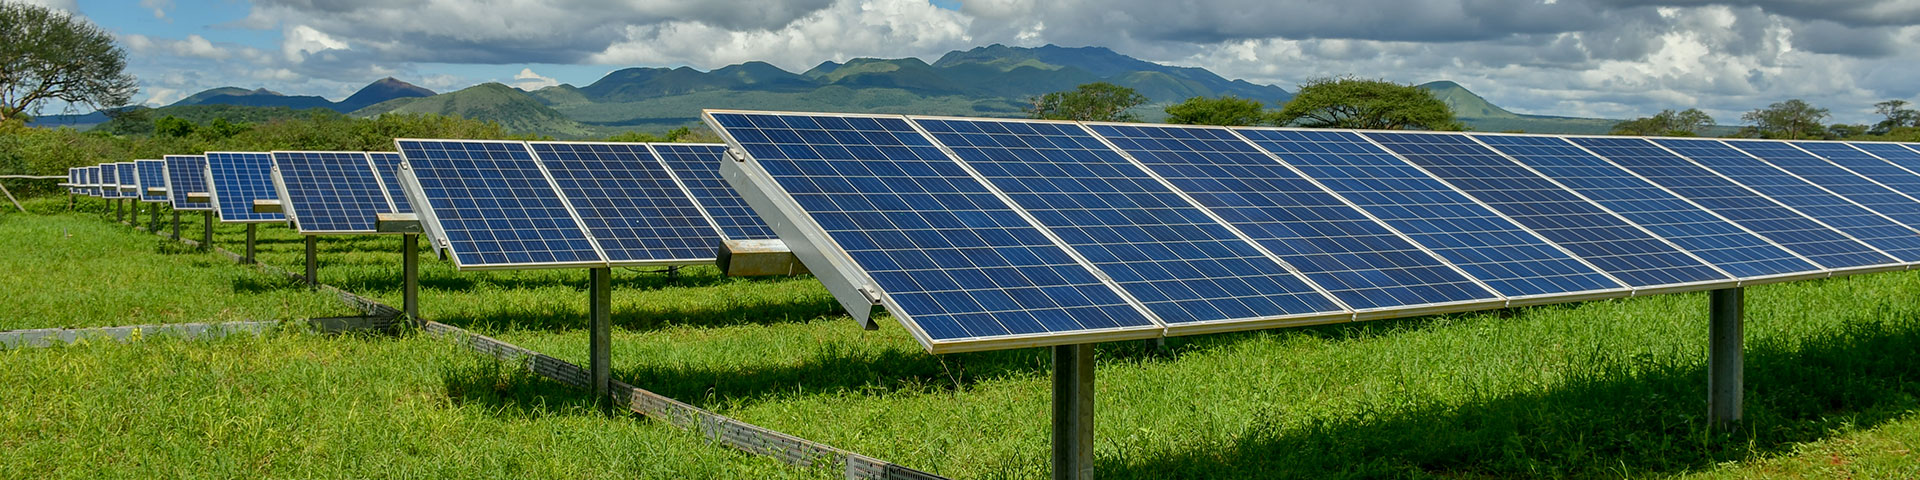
(1098, 101)
(1841, 131)
(1685, 123)
(1791, 120)
(1226, 110)
(172, 126)
(1352, 102)
(51, 55)
(1897, 115)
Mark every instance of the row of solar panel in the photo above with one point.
(979, 233)
(240, 178)
(511, 204)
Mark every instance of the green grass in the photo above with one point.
(1593, 390)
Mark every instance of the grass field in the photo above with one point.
(1600, 389)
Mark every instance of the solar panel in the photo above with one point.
(235, 180)
(1594, 234)
(1900, 156)
(387, 164)
(1854, 174)
(73, 178)
(128, 179)
(1447, 222)
(1362, 263)
(1695, 229)
(150, 174)
(1892, 238)
(328, 192)
(186, 174)
(1809, 238)
(697, 166)
(955, 264)
(1169, 255)
(93, 182)
(109, 180)
(489, 204)
(629, 203)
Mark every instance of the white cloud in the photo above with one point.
(68, 5)
(847, 29)
(159, 8)
(193, 46)
(529, 81)
(299, 41)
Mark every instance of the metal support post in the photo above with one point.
(410, 275)
(206, 230)
(1073, 412)
(120, 210)
(601, 350)
(176, 225)
(249, 258)
(153, 219)
(1725, 356)
(313, 260)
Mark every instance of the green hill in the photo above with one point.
(513, 109)
(1482, 115)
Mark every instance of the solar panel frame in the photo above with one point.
(1559, 215)
(1739, 166)
(386, 169)
(465, 252)
(852, 287)
(329, 192)
(235, 180)
(185, 175)
(1060, 204)
(1715, 239)
(636, 212)
(723, 207)
(150, 174)
(1815, 240)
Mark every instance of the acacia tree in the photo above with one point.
(1685, 123)
(1097, 101)
(52, 55)
(1226, 110)
(1352, 102)
(1791, 120)
(1897, 115)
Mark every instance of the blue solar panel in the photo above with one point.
(1592, 233)
(329, 192)
(955, 262)
(1361, 262)
(387, 164)
(129, 179)
(93, 182)
(1452, 225)
(1901, 157)
(629, 203)
(1763, 216)
(698, 168)
(150, 174)
(1896, 240)
(1166, 253)
(235, 180)
(186, 174)
(492, 207)
(1833, 178)
(1693, 228)
(109, 180)
(73, 178)
(1874, 169)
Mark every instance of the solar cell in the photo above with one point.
(387, 164)
(150, 174)
(1892, 238)
(1859, 177)
(952, 261)
(1594, 234)
(1167, 254)
(1809, 238)
(1359, 261)
(1834, 179)
(1695, 229)
(128, 179)
(489, 204)
(186, 174)
(629, 203)
(235, 180)
(697, 167)
(1445, 221)
(328, 192)
(1898, 155)
(93, 182)
(73, 178)
(110, 180)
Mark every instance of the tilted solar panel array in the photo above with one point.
(387, 164)
(186, 174)
(505, 205)
(235, 180)
(151, 174)
(329, 192)
(966, 228)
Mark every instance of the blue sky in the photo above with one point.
(1608, 58)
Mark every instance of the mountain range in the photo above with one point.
(990, 81)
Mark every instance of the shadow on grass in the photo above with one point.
(1625, 417)
(508, 390)
(731, 313)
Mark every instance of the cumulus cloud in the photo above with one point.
(848, 29)
(301, 41)
(529, 81)
(159, 7)
(192, 46)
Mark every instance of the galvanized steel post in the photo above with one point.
(1725, 356)
(1073, 412)
(600, 353)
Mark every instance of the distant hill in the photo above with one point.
(515, 110)
(989, 81)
